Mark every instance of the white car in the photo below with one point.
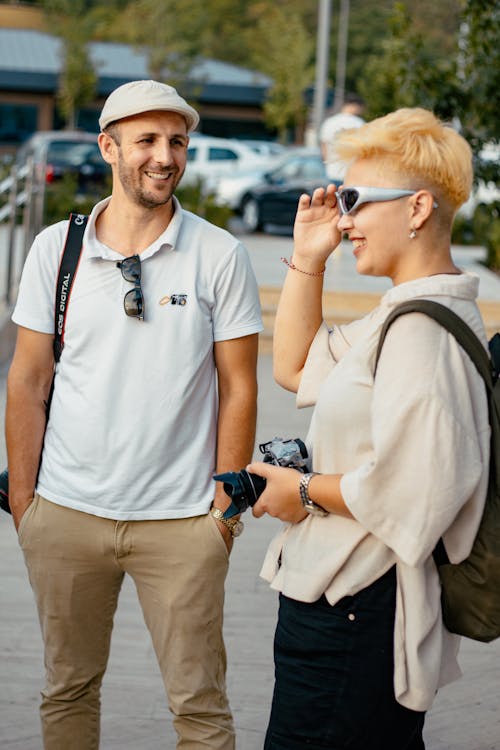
(265, 148)
(209, 158)
(231, 189)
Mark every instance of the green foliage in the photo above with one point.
(407, 72)
(486, 228)
(78, 80)
(282, 48)
(168, 33)
(483, 228)
(480, 74)
(62, 198)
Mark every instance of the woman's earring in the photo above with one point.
(413, 234)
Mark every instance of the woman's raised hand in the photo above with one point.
(315, 230)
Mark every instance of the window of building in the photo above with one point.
(17, 122)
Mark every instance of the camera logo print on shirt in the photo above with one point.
(174, 299)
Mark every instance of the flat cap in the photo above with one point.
(145, 96)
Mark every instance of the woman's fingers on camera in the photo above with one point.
(281, 498)
(258, 510)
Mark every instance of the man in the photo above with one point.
(348, 117)
(155, 391)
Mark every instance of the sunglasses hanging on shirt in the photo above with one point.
(133, 302)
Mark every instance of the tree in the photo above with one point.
(460, 82)
(479, 75)
(169, 34)
(408, 73)
(77, 82)
(282, 48)
(479, 71)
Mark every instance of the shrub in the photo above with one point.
(482, 229)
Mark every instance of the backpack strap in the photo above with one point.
(67, 272)
(467, 339)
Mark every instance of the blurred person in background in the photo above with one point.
(350, 116)
(398, 461)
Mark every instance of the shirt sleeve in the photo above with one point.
(427, 454)
(328, 348)
(237, 306)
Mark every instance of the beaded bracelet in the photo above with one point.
(292, 265)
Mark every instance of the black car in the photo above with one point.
(274, 200)
(59, 152)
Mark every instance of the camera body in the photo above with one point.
(245, 488)
(4, 490)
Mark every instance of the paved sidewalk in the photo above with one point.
(466, 715)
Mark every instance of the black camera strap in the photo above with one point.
(67, 271)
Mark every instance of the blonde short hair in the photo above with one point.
(414, 143)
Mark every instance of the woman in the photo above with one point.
(398, 461)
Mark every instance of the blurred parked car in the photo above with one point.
(60, 152)
(274, 199)
(234, 189)
(210, 157)
(264, 148)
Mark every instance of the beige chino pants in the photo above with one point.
(76, 564)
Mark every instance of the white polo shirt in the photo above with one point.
(132, 428)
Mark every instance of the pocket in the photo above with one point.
(217, 531)
(24, 518)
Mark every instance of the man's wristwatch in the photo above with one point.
(234, 525)
(313, 508)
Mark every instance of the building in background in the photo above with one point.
(229, 98)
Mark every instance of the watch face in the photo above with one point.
(237, 528)
(315, 510)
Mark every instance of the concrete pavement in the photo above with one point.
(466, 715)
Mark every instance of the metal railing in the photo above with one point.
(22, 213)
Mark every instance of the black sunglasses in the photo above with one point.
(133, 302)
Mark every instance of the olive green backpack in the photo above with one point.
(470, 590)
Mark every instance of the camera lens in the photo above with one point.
(243, 488)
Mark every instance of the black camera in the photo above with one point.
(245, 488)
(4, 491)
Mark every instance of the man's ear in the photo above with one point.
(108, 147)
(422, 206)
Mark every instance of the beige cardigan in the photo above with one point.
(413, 448)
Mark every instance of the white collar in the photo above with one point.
(464, 285)
(95, 249)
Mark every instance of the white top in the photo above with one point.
(413, 448)
(132, 428)
(330, 128)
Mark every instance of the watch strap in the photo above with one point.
(234, 525)
(309, 504)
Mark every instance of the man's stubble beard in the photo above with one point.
(133, 188)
